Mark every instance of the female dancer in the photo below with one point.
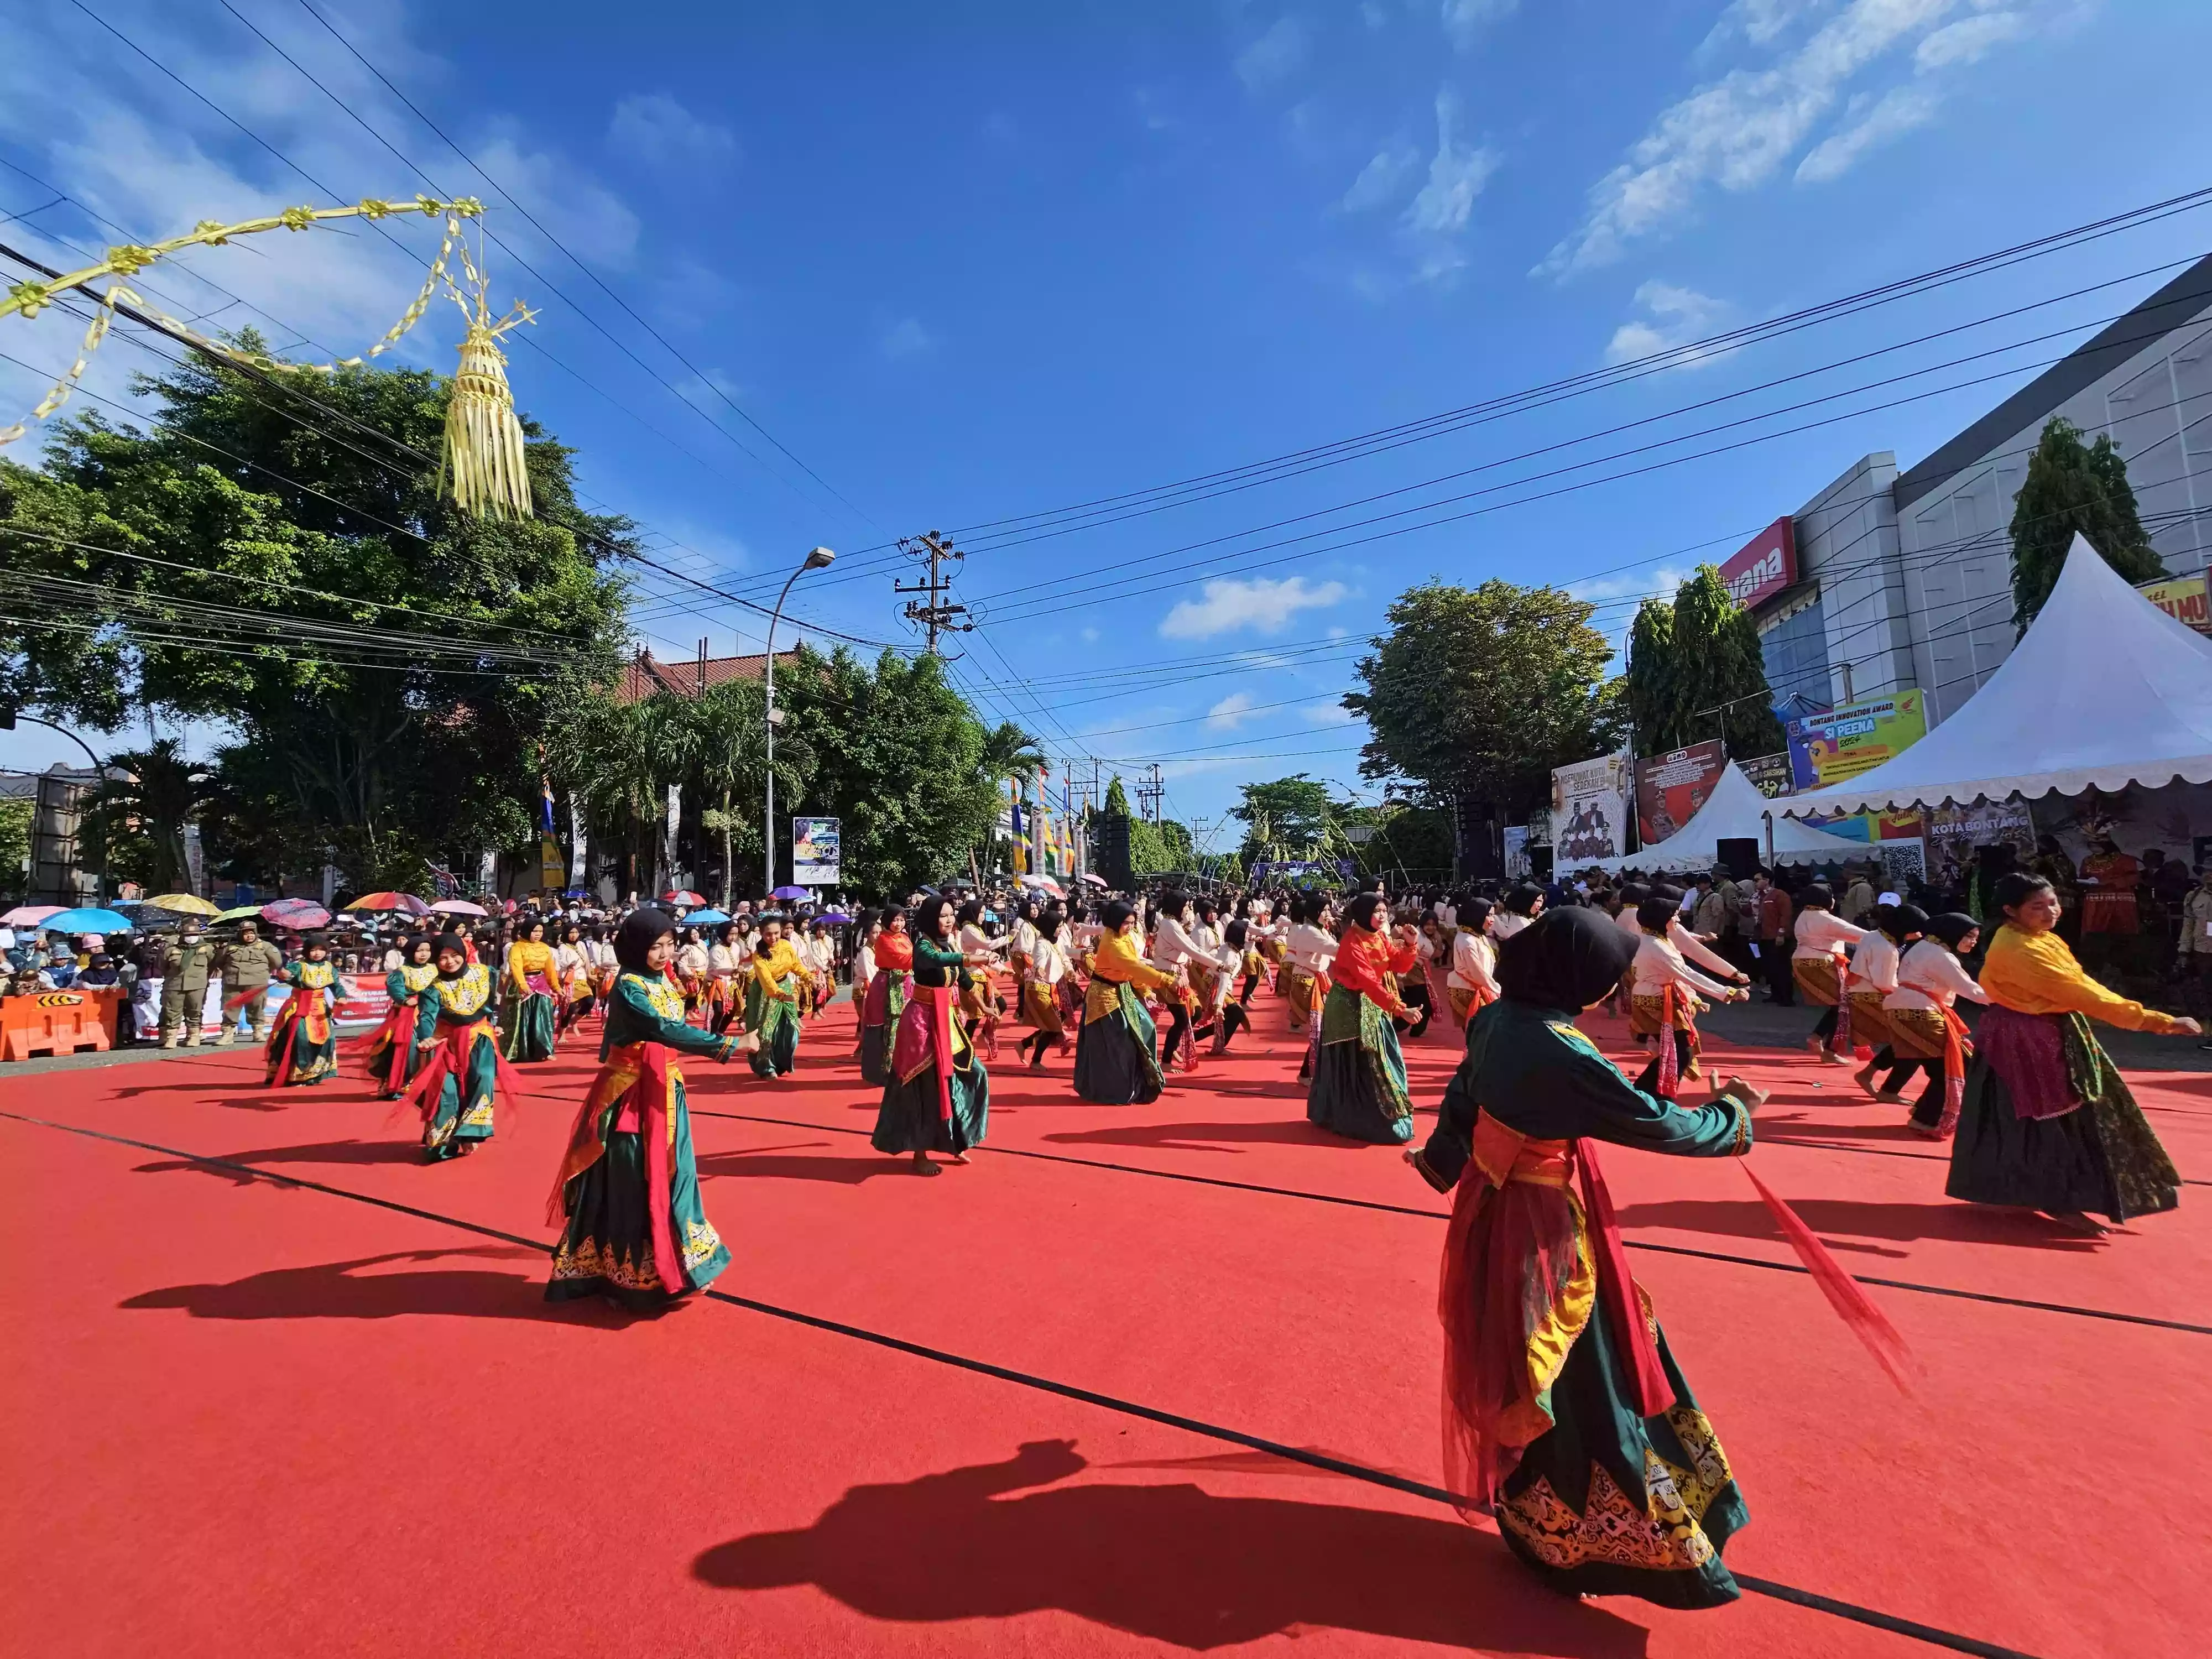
(399, 1048)
(1522, 904)
(1925, 1031)
(982, 1000)
(939, 1097)
(864, 974)
(690, 970)
(454, 1093)
(627, 1196)
(1116, 1064)
(1308, 949)
(1867, 989)
(1358, 1089)
(1176, 954)
(775, 1011)
(1021, 947)
(1472, 984)
(303, 1045)
(1662, 1000)
(529, 980)
(1565, 1415)
(572, 978)
(1817, 964)
(728, 968)
(888, 992)
(2048, 1122)
(1043, 998)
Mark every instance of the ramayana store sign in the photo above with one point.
(1764, 565)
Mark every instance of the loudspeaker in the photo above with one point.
(1739, 856)
(1110, 852)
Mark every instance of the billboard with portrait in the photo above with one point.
(1672, 786)
(1589, 811)
(814, 852)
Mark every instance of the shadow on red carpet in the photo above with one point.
(1173, 1563)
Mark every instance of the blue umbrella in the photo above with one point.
(705, 918)
(85, 922)
(792, 893)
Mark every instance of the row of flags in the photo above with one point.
(1041, 839)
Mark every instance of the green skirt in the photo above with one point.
(911, 1118)
(464, 1116)
(1358, 1089)
(1607, 1503)
(606, 1249)
(530, 1027)
(777, 1023)
(1117, 1059)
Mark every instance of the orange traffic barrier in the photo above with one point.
(57, 1022)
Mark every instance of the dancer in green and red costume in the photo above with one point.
(303, 1044)
(1565, 1416)
(627, 1197)
(464, 1072)
(401, 1046)
(937, 1098)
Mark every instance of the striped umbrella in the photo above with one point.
(407, 904)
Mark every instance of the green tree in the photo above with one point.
(1653, 697)
(14, 846)
(1718, 667)
(2074, 488)
(1478, 693)
(392, 667)
(142, 816)
(1117, 798)
(1288, 818)
(727, 749)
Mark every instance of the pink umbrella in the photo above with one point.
(298, 916)
(682, 895)
(29, 915)
(457, 907)
(405, 903)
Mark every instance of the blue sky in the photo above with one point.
(971, 262)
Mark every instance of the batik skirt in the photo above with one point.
(1359, 1087)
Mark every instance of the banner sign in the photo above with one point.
(814, 852)
(1670, 788)
(1589, 811)
(1954, 834)
(1826, 750)
(1764, 565)
(2183, 598)
(1769, 774)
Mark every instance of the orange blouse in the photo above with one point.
(1364, 958)
(894, 952)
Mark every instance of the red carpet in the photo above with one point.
(254, 1418)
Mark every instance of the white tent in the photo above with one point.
(2105, 690)
(1734, 811)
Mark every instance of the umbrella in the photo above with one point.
(835, 918)
(1096, 881)
(85, 922)
(794, 894)
(239, 914)
(1042, 885)
(298, 916)
(457, 907)
(707, 918)
(29, 915)
(402, 902)
(683, 895)
(183, 904)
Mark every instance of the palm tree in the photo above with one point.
(152, 793)
(1009, 752)
(728, 745)
(621, 759)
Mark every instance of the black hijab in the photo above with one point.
(1951, 926)
(636, 935)
(1566, 959)
(1361, 912)
(450, 942)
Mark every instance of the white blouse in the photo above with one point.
(1874, 963)
(1931, 977)
(1658, 964)
(1474, 961)
(1309, 947)
(1822, 933)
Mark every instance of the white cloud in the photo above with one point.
(1090, 636)
(1674, 318)
(1382, 179)
(1260, 603)
(1328, 713)
(1897, 112)
(1274, 56)
(1465, 20)
(654, 127)
(1660, 582)
(1231, 712)
(1457, 173)
(590, 220)
(1968, 40)
(1760, 21)
(1737, 132)
(905, 337)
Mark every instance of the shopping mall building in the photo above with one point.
(1889, 580)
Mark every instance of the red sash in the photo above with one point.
(643, 1079)
(451, 1059)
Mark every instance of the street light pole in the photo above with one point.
(99, 775)
(816, 559)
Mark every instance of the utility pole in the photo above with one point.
(1149, 791)
(937, 614)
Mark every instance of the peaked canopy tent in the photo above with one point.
(2105, 690)
(1734, 811)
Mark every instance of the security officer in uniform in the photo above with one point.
(247, 966)
(185, 968)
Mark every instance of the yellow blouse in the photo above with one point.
(525, 958)
(779, 965)
(1116, 958)
(2036, 974)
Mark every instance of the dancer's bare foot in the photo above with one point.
(1864, 1077)
(961, 1158)
(2076, 1222)
(923, 1166)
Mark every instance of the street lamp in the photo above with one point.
(817, 559)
